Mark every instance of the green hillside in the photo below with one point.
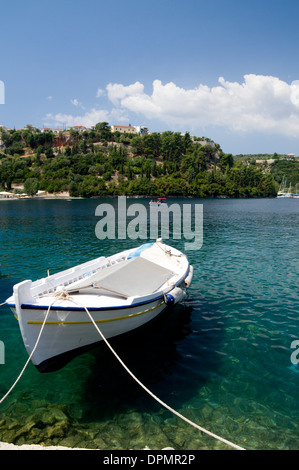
(97, 162)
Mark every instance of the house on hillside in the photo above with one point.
(290, 156)
(29, 127)
(79, 128)
(123, 129)
(202, 141)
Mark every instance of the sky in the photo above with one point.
(223, 69)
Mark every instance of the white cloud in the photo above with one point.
(75, 102)
(260, 103)
(117, 92)
(295, 93)
(88, 119)
(100, 93)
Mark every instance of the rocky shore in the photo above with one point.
(6, 446)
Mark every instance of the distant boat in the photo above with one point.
(282, 192)
(296, 195)
(119, 293)
(161, 201)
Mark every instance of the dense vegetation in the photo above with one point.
(99, 163)
(287, 169)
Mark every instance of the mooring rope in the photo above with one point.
(32, 352)
(225, 441)
(64, 295)
(2, 304)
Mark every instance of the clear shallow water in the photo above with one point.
(222, 359)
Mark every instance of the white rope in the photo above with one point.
(32, 352)
(64, 295)
(2, 304)
(169, 252)
(151, 393)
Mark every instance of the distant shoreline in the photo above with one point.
(67, 197)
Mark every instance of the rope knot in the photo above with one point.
(62, 295)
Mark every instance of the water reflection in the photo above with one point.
(173, 357)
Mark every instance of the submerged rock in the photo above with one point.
(51, 422)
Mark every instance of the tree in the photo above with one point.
(226, 161)
(187, 141)
(104, 131)
(31, 186)
(6, 173)
(49, 152)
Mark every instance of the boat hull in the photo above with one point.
(70, 332)
(103, 298)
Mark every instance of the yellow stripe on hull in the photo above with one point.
(39, 322)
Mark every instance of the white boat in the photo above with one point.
(296, 195)
(121, 293)
(282, 192)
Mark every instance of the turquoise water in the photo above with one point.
(223, 359)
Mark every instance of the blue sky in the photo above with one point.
(223, 69)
